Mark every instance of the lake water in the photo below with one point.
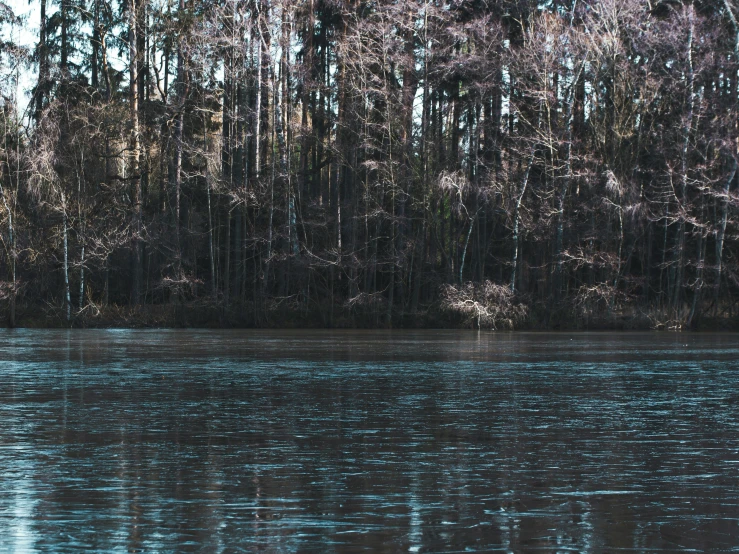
(255, 441)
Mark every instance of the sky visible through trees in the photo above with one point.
(504, 163)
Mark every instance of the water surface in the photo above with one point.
(246, 441)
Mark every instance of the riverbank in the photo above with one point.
(284, 315)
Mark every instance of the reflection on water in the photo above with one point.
(161, 441)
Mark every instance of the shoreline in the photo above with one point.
(210, 316)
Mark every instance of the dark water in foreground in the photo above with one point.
(172, 441)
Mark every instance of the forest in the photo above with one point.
(371, 163)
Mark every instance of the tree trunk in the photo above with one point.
(466, 244)
(135, 147)
(725, 197)
(43, 65)
(95, 44)
(566, 180)
(67, 295)
(81, 234)
(182, 87)
(721, 233)
(680, 251)
(11, 243)
(516, 214)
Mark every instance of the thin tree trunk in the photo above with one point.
(179, 130)
(95, 44)
(619, 254)
(516, 213)
(694, 309)
(81, 235)
(258, 106)
(464, 251)
(721, 234)
(211, 253)
(566, 180)
(135, 146)
(64, 46)
(43, 65)
(227, 152)
(67, 295)
(106, 73)
(11, 242)
(725, 199)
(680, 252)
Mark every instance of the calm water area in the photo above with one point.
(376, 441)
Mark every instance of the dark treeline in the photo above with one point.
(265, 162)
